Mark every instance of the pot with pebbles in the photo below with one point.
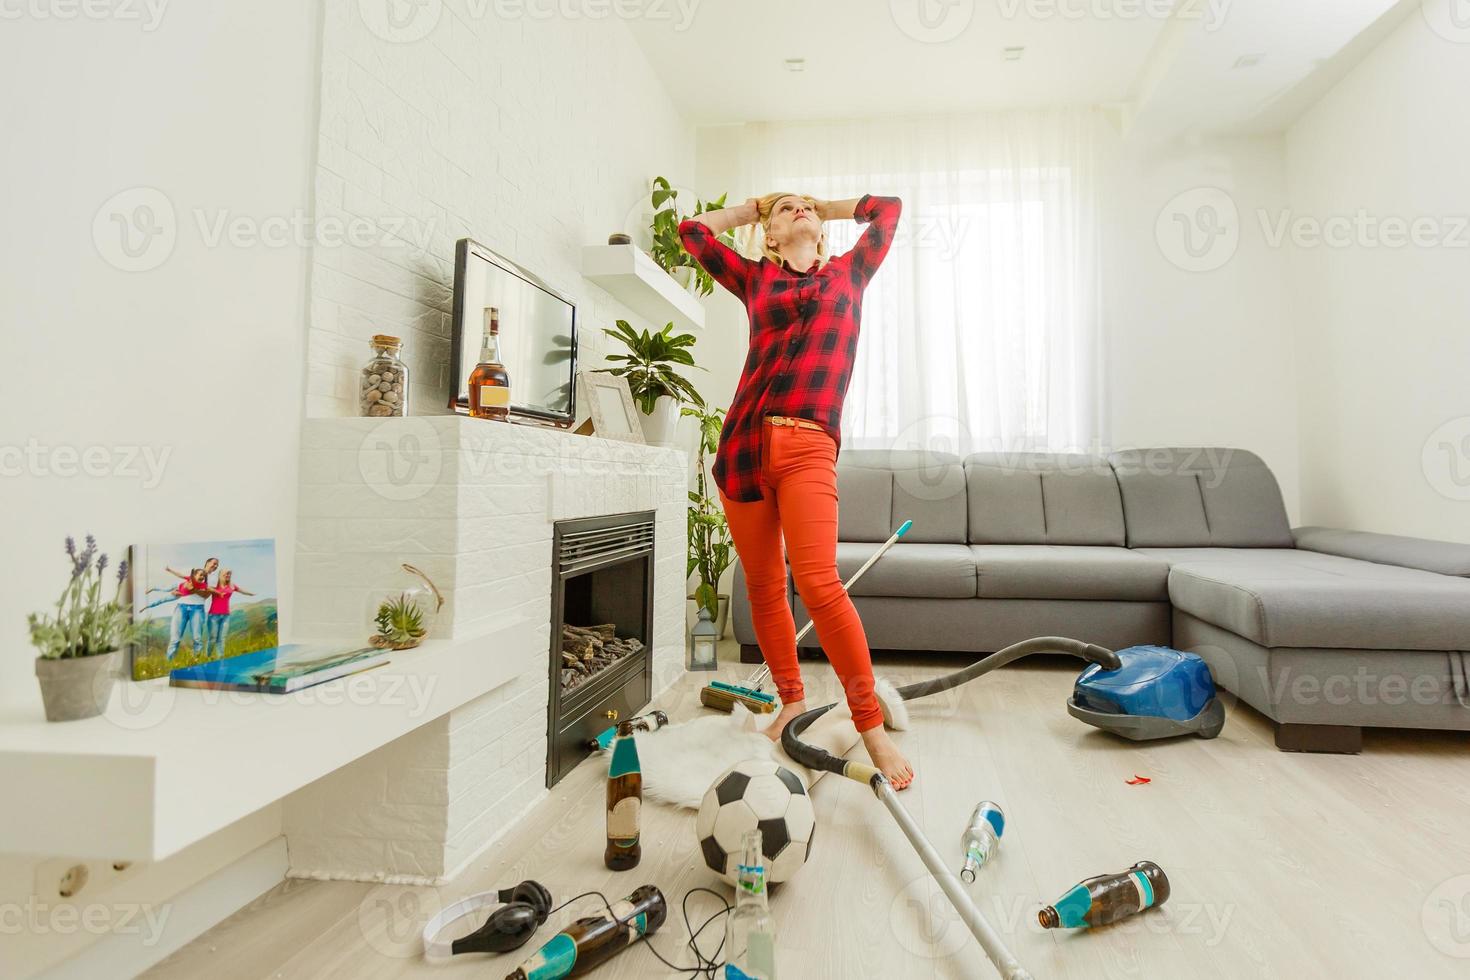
(80, 644)
(383, 389)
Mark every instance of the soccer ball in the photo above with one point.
(757, 793)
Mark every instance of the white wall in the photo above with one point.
(725, 339)
(196, 361)
(535, 136)
(1198, 347)
(1383, 330)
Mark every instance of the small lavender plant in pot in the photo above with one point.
(80, 645)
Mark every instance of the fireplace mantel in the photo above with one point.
(473, 503)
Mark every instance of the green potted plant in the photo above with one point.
(710, 550)
(668, 249)
(650, 368)
(81, 645)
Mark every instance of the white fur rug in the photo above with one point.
(680, 762)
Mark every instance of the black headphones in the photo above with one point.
(525, 909)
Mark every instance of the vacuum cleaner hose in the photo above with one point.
(817, 758)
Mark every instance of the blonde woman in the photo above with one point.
(776, 467)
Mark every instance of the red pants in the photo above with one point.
(799, 480)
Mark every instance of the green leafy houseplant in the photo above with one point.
(400, 623)
(87, 623)
(668, 249)
(650, 364)
(710, 550)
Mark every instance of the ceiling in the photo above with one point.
(1168, 63)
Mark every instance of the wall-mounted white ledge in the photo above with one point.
(635, 280)
(165, 767)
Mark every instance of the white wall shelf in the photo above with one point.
(634, 279)
(165, 767)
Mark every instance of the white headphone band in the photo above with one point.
(437, 950)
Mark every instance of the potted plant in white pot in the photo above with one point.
(710, 550)
(658, 389)
(81, 645)
(668, 248)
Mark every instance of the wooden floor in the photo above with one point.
(1282, 865)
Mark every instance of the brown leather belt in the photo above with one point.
(793, 423)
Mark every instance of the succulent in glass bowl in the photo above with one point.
(405, 617)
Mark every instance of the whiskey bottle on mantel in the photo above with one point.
(489, 382)
(624, 803)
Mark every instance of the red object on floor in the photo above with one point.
(1138, 780)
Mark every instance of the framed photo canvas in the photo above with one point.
(611, 412)
(201, 601)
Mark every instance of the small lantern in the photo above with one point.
(702, 642)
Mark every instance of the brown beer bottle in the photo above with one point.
(624, 803)
(1108, 898)
(590, 942)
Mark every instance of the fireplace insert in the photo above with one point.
(601, 631)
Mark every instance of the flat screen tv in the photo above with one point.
(538, 335)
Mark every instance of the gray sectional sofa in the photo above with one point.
(1324, 631)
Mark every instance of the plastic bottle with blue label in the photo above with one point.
(1108, 898)
(981, 838)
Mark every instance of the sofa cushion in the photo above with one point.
(937, 571)
(1039, 498)
(1444, 557)
(928, 489)
(1194, 498)
(865, 496)
(1296, 599)
(1029, 571)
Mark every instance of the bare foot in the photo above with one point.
(888, 758)
(783, 718)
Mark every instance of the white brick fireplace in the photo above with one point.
(473, 504)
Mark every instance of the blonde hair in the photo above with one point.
(765, 206)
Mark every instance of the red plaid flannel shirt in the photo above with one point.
(803, 337)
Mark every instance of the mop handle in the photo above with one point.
(759, 677)
(814, 757)
(996, 951)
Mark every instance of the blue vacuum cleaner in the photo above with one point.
(1156, 693)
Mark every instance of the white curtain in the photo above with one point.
(980, 332)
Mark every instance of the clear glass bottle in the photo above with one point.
(383, 388)
(750, 933)
(489, 382)
(981, 836)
